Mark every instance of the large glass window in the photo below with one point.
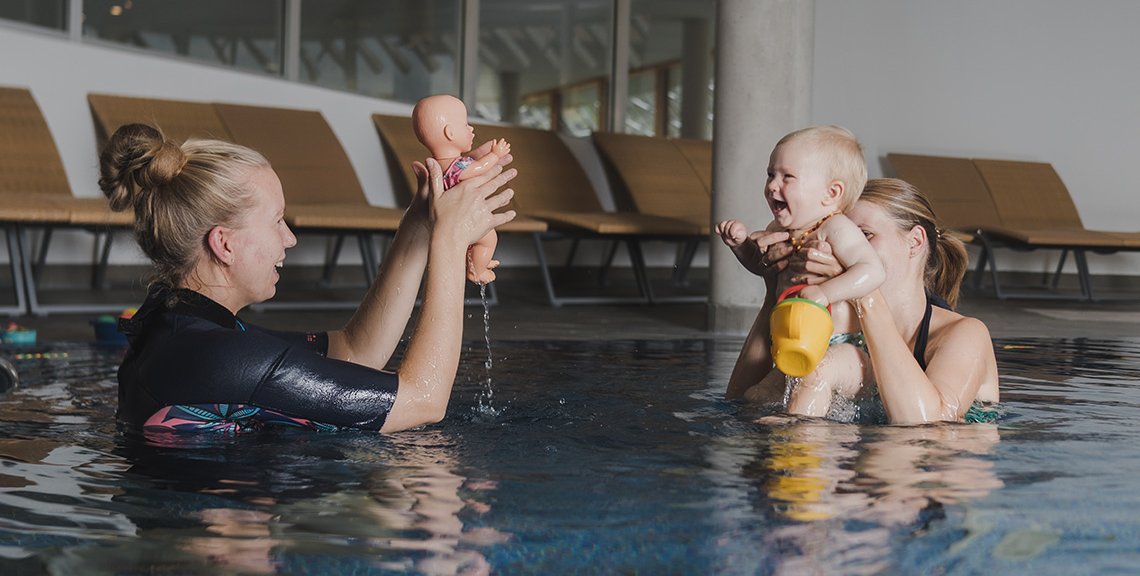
(47, 13)
(669, 40)
(245, 34)
(398, 49)
(545, 63)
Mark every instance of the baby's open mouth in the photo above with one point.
(779, 205)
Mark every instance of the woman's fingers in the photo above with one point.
(494, 179)
(468, 209)
(500, 219)
(816, 264)
(501, 199)
(435, 174)
(765, 239)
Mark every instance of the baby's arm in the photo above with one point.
(499, 149)
(863, 271)
(751, 250)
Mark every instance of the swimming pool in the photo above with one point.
(589, 457)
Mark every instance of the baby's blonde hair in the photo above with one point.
(842, 154)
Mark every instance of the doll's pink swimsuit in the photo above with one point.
(451, 177)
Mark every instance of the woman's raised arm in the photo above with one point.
(960, 361)
(460, 216)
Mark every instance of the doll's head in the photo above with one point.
(814, 172)
(440, 123)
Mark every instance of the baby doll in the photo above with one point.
(440, 123)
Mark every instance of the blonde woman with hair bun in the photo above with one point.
(210, 216)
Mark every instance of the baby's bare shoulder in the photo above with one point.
(841, 232)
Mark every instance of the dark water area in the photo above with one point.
(589, 457)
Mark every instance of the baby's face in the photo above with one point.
(797, 186)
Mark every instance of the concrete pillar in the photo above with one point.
(695, 65)
(510, 96)
(469, 53)
(763, 91)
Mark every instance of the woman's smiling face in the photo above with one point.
(261, 240)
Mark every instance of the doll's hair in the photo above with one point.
(178, 193)
(946, 258)
(842, 155)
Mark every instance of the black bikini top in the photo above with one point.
(923, 335)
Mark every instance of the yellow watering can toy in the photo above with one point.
(801, 332)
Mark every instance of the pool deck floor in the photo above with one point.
(523, 313)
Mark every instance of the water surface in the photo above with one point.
(598, 457)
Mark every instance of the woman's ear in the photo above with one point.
(218, 241)
(916, 239)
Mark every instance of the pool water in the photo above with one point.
(589, 457)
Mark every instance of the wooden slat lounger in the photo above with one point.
(554, 198)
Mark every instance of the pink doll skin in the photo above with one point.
(440, 123)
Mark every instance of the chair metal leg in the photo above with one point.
(572, 253)
(607, 264)
(1083, 275)
(31, 291)
(640, 274)
(1060, 265)
(980, 267)
(15, 265)
(557, 301)
(1003, 293)
(99, 273)
(331, 257)
(367, 256)
(41, 258)
(686, 253)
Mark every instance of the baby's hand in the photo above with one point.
(501, 147)
(732, 232)
(815, 294)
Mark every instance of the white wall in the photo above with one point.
(1042, 80)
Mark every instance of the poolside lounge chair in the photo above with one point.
(554, 198)
(663, 177)
(35, 194)
(980, 199)
(1037, 210)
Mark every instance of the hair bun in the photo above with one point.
(136, 161)
(165, 165)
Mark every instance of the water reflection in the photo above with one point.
(233, 504)
(354, 502)
(838, 495)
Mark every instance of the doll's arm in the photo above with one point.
(863, 271)
(499, 149)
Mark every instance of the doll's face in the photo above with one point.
(797, 186)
